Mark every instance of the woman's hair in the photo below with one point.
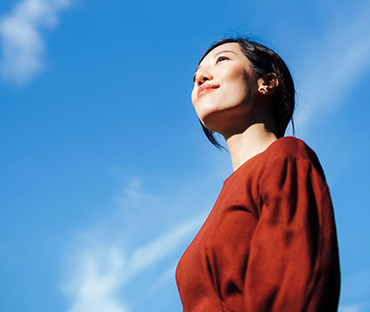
(265, 61)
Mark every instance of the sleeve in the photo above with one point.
(293, 264)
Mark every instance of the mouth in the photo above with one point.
(204, 88)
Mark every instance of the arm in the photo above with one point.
(293, 264)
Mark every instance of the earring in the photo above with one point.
(262, 90)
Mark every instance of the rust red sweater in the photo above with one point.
(269, 243)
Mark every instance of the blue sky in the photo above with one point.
(105, 173)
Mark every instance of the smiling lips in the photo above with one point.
(204, 88)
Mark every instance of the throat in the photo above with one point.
(244, 146)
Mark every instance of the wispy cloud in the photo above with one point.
(333, 64)
(355, 292)
(22, 45)
(102, 264)
(351, 308)
(97, 276)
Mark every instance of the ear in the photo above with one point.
(267, 84)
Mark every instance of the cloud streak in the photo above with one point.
(333, 65)
(22, 45)
(102, 266)
(97, 277)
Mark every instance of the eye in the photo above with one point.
(221, 59)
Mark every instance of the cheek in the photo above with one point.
(233, 71)
(243, 85)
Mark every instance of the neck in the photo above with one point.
(254, 140)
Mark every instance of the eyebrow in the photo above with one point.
(217, 54)
(224, 51)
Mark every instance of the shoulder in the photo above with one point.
(290, 147)
(292, 150)
(281, 154)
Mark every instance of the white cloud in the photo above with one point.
(97, 275)
(101, 264)
(22, 45)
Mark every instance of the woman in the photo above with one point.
(269, 243)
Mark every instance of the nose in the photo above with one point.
(202, 76)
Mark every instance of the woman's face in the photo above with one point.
(225, 87)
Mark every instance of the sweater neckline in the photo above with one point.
(251, 160)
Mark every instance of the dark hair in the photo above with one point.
(265, 61)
